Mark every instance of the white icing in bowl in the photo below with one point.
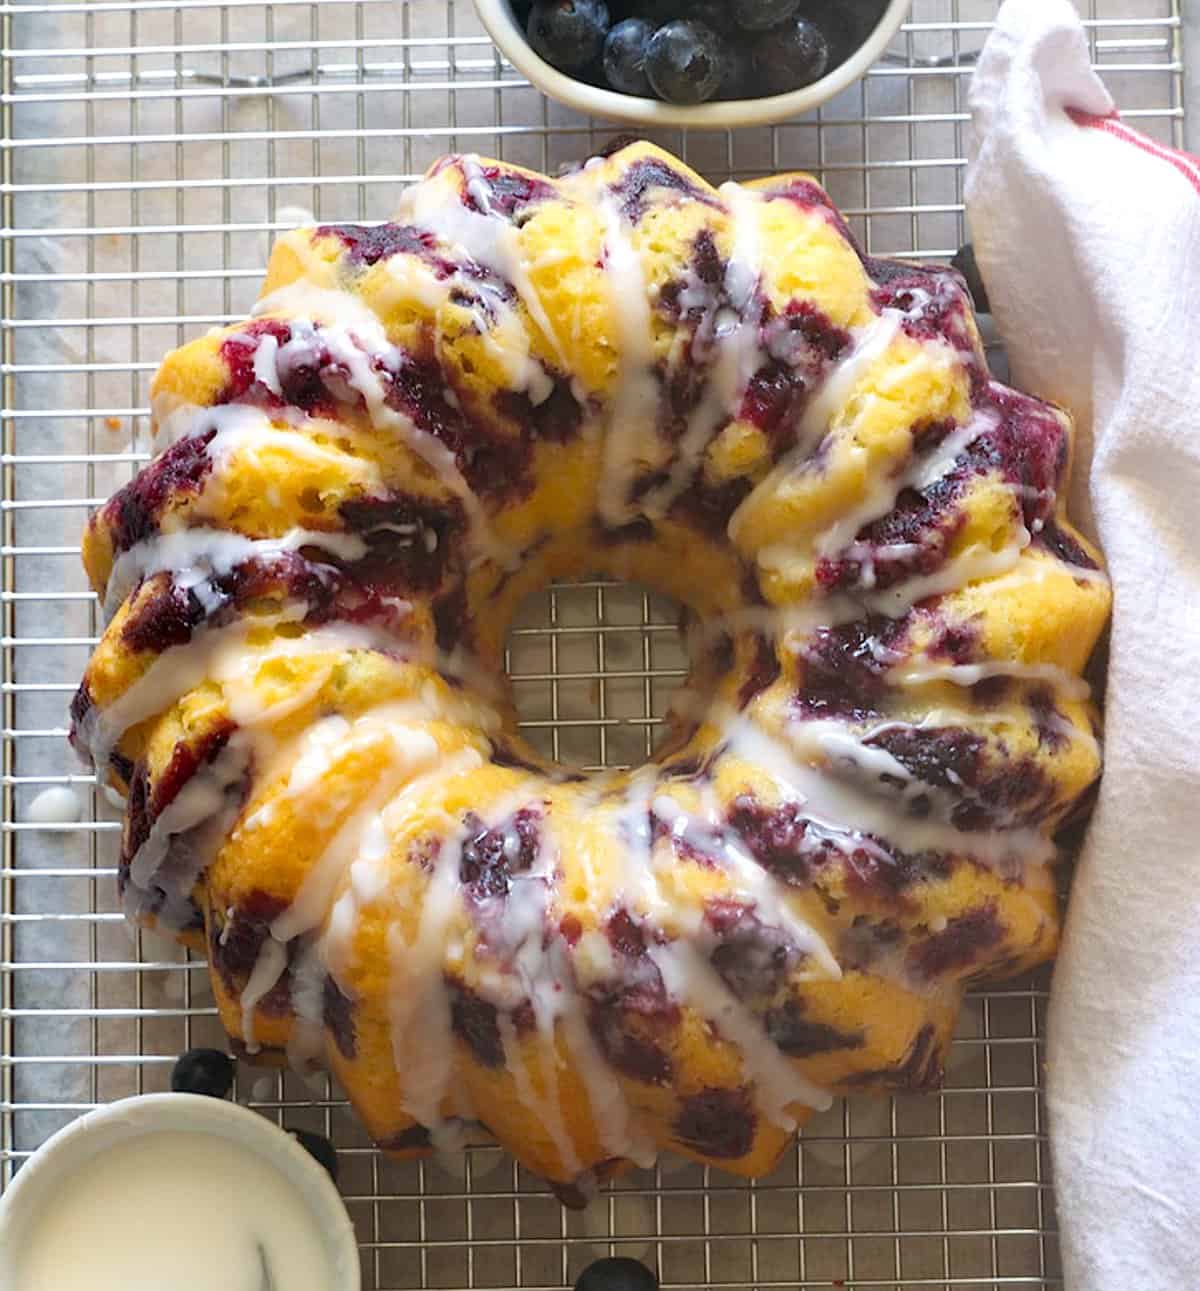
(173, 1191)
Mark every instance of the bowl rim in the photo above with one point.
(497, 19)
(94, 1132)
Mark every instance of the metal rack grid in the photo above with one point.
(150, 149)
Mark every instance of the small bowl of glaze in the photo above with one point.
(506, 32)
(175, 1191)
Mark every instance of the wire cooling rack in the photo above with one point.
(150, 151)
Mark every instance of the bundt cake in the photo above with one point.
(623, 371)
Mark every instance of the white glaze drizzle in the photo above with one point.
(547, 1109)
(486, 236)
(422, 1039)
(201, 798)
(1065, 683)
(921, 473)
(748, 880)
(630, 437)
(848, 813)
(356, 339)
(197, 556)
(268, 969)
(870, 343)
(738, 351)
(778, 1083)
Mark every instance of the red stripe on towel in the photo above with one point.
(1187, 165)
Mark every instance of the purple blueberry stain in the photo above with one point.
(754, 959)
(492, 855)
(1058, 542)
(718, 1123)
(556, 419)
(506, 192)
(764, 670)
(410, 541)
(636, 992)
(845, 667)
(476, 1022)
(134, 513)
(162, 615)
(965, 940)
(649, 175)
(368, 244)
(235, 941)
(777, 839)
(919, 1071)
(866, 941)
(798, 1036)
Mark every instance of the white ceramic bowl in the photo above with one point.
(36, 1183)
(497, 17)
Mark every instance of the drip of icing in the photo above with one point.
(970, 674)
(356, 340)
(778, 1085)
(199, 555)
(268, 969)
(738, 351)
(422, 1037)
(633, 824)
(57, 805)
(848, 813)
(618, 1134)
(266, 365)
(870, 343)
(201, 798)
(972, 565)
(486, 236)
(306, 1037)
(411, 751)
(221, 653)
(920, 474)
(548, 1109)
(630, 437)
(749, 880)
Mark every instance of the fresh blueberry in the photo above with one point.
(319, 1148)
(568, 34)
(790, 56)
(964, 261)
(738, 81)
(203, 1071)
(759, 15)
(616, 1273)
(658, 12)
(685, 62)
(625, 56)
(712, 13)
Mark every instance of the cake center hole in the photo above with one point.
(594, 665)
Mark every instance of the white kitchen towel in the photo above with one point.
(1088, 237)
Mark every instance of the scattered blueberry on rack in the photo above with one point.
(693, 51)
(202, 1071)
(319, 1148)
(616, 1273)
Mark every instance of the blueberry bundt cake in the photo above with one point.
(623, 371)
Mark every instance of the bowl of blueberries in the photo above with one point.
(705, 64)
